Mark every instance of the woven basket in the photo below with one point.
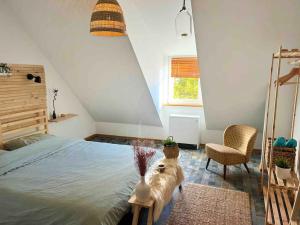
(171, 152)
(281, 152)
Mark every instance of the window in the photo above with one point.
(184, 82)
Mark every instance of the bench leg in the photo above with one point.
(136, 213)
(180, 187)
(150, 216)
(224, 175)
(246, 167)
(208, 161)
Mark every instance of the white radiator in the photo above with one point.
(185, 129)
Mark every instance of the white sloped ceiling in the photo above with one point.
(235, 41)
(102, 71)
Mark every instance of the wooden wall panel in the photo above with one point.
(23, 103)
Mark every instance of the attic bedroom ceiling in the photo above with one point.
(105, 74)
(102, 71)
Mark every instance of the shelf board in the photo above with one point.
(280, 201)
(289, 184)
(280, 206)
(62, 118)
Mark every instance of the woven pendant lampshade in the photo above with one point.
(107, 19)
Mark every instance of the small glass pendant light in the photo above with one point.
(183, 23)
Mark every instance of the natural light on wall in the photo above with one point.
(184, 81)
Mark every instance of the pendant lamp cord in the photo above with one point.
(183, 7)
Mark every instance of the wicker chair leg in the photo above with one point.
(224, 175)
(246, 167)
(208, 161)
(180, 188)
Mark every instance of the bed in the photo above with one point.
(56, 180)
(65, 181)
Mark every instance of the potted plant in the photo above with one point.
(171, 149)
(282, 168)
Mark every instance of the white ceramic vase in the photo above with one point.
(142, 190)
(283, 173)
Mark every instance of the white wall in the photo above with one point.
(148, 131)
(18, 48)
(132, 130)
(235, 41)
(154, 40)
(151, 29)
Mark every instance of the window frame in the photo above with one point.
(171, 80)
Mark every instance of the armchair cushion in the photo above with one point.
(225, 155)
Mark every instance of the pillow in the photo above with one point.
(24, 141)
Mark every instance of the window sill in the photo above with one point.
(184, 105)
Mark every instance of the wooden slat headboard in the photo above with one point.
(23, 103)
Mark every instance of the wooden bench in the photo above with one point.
(162, 188)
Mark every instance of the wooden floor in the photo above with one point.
(193, 163)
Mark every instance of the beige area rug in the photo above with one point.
(201, 205)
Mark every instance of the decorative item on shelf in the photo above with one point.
(282, 168)
(5, 70)
(291, 143)
(279, 142)
(161, 168)
(183, 23)
(171, 149)
(35, 78)
(55, 92)
(142, 157)
(63, 117)
(107, 19)
(280, 150)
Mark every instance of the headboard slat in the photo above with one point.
(23, 103)
(21, 114)
(21, 129)
(9, 124)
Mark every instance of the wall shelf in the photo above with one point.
(63, 117)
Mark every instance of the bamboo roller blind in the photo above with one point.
(185, 67)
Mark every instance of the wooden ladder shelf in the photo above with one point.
(281, 197)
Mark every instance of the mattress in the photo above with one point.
(63, 181)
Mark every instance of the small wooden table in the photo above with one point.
(136, 208)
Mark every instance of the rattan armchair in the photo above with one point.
(237, 149)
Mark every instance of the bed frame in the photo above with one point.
(23, 103)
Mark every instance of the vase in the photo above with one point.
(142, 190)
(283, 173)
(54, 115)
